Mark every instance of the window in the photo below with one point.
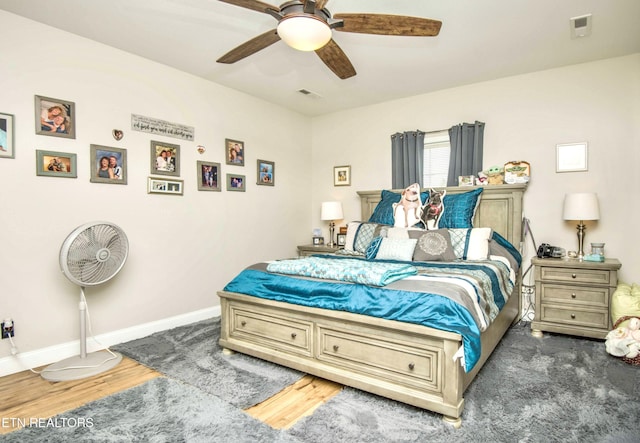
(437, 150)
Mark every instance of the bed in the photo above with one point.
(423, 363)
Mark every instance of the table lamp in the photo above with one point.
(331, 211)
(581, 206)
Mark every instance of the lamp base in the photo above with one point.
(581, 228)
(332, 228)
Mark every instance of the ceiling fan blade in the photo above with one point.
(386, 24)
(251, 47)
(321, 4)
(333, 56)
(254, 5)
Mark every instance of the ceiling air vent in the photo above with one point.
(309, 93)
(580, 26)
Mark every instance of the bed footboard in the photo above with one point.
(404, 362)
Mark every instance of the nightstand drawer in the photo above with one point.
(565, 294)
(575, 317)
(575, 275)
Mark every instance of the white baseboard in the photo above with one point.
(32, 359)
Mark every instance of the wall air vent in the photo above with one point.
(309, 93)
(580, 26)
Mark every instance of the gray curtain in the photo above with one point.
(407, 156)
(466, 151)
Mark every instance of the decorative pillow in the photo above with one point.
(471, 244)
(396, 249)
(625, 301)
(383, 212)
(433, 208)
(434, 245)
(404, 232)
(459, 209)
(408, 211)
(360, 235)
(373, 248)
(501, 246)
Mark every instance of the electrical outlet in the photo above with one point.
(8, 330)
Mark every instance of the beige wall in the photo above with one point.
(526, 117)
(182, 248)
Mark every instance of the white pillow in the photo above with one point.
(396, 249)
(471, 244)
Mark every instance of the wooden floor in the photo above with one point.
(26, 395)
(299, 400)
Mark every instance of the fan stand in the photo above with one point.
(83, 365)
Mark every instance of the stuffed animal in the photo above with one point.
(624, 342)
(495, 175)
(408, 211)
(433, 208)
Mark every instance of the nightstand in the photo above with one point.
(573, 297)
(306, 250)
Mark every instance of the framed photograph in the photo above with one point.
(342, 240)
(234, 152)
(342, 176)
(56, 164)
(266, 173)
(236, 182)
(318, 241)
(157, 185)
(108, 165)
(55, 117)
(6, 136)
(208, 176)
(572, 157)
(165, 158)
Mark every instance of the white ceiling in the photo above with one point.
(479, 40)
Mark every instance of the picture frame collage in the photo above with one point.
(56, 117)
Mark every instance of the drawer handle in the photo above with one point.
(293, 335)
(411, 366)
(573, 295)
(573, 316)
(243, 323)
(335, 348)
(573, 275)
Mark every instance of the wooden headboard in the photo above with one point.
(500, 207)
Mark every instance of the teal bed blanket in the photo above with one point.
(348, 270)
(460, 297)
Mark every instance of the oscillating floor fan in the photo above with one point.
(91, 255)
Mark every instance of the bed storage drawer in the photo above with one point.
(384, 356)
(271, 330)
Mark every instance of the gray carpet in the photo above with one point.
(555, 389)
(192, 354)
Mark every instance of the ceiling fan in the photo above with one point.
(307, 25)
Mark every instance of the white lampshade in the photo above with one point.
(581, 206)
(331, 211)
(304, 32)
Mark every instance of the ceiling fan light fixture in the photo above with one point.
(304, 32)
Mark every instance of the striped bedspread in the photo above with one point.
(462, 296)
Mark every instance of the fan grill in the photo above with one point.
(94, 253)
